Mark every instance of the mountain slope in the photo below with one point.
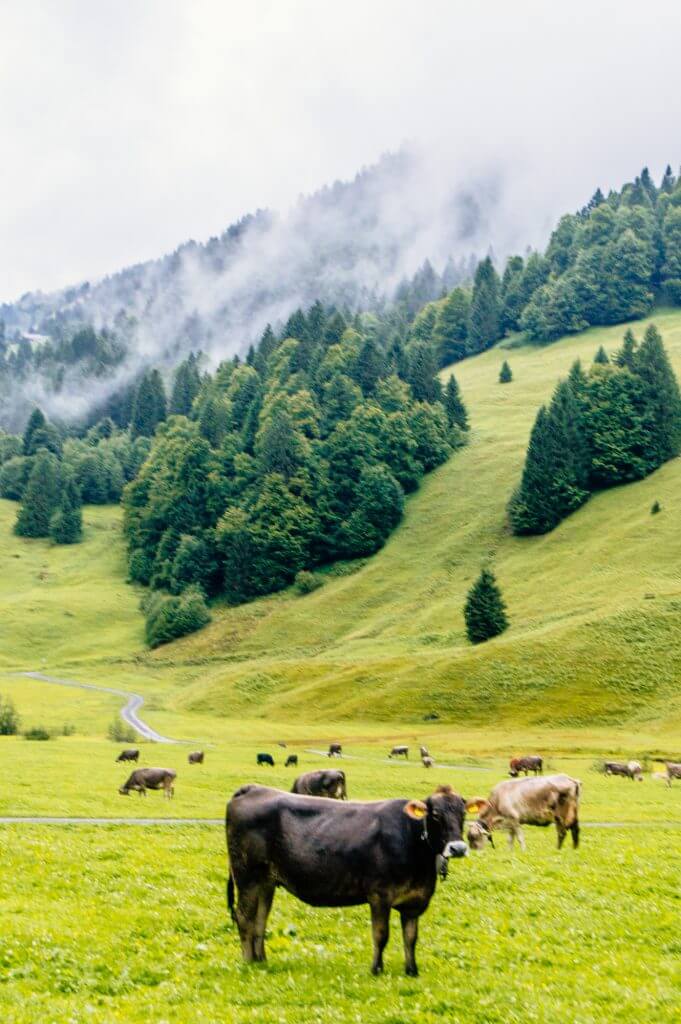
(587, 641)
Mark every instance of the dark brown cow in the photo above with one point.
(629, 769)
(515, 802)
(530, 763)
(386, 853)
(400, 751)
(291, 761)
(196, 757)
(143, 779)
(335, 750)
(326, 782)
(128, 755)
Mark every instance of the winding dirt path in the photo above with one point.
(134, 702)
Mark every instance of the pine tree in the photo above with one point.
(668, 180)
(66, 524)
(457, 415)
(626, 355)
(369, 366)
(660, 392)
(41, 497)
(555, 476)
(36, 421)
(149, 405)
(451, 327)
(334, 330)
(422, 373)
(185, 387)
(484, 324)
(485, 610)
(601, 357)
(505, 373)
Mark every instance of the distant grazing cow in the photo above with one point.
(335, 750)
(281, 743)
(630, 769)
(143, 779)
(424, 751)
(196, 757)
(531, 763)
(554, 799)
(128, 755)
(291, 761)
(327, 782)
(265, 759)
(427, 761)
(673, 771)
(387, 853)
(399, 752)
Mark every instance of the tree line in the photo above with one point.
(616, 423)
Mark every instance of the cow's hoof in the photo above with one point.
(377, 969)
(412, 972)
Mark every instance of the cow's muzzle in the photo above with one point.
(455, 849)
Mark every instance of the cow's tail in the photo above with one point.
(230, 895)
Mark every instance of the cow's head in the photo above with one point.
(124, 791)
(443, 815)
(339, 790)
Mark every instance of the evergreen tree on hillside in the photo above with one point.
(660, 392)
(484, 326)
(626, 355)
(457, 415)
(334, 330)
(451, 327)
(369, 366)
(36, 421)
(149, 405)
(601, 357)
(186, 386)
(555, 477)
(422, 373)
(41, 497)
(505, 373)
(485, 610)
(66, 524)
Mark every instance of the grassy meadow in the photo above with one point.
(105, 924)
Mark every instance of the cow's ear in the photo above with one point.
(416, 809)
(477, 804)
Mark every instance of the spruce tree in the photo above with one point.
(185, 387)
(422, 373)
(484, 323)
(626, 355)
(36, 421)
(369, 366)
(485, 610)
(505, 373)
(451, 327)
(660, 393)
(601, 357)
(149, 405)
(555, 476)
(457, 415)
(66, 524)
(41, 497)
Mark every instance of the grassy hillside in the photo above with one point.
(594, 606)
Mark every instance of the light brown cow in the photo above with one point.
(427, 761)
(425, 752)
(143, 779)
(673, 770)
(629, 769)
(536, 801)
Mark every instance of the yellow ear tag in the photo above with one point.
(418, 812)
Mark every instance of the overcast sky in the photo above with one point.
(129, 126)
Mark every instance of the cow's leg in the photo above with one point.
(410, 932)
(265, 897)
(574, 828)
(246, 913)
(515, 832)
(380, 930)
(562, 832)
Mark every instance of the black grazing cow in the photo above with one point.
(335, 750)
(386, 853)
(128, 755)
(196, 757)
(329, 783)
(265, 759)
(291, 761)
(143, 779)
(531, 763)
(399, 752)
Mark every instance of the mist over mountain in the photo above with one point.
(351, 245)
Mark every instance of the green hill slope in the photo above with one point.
(594, 606)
